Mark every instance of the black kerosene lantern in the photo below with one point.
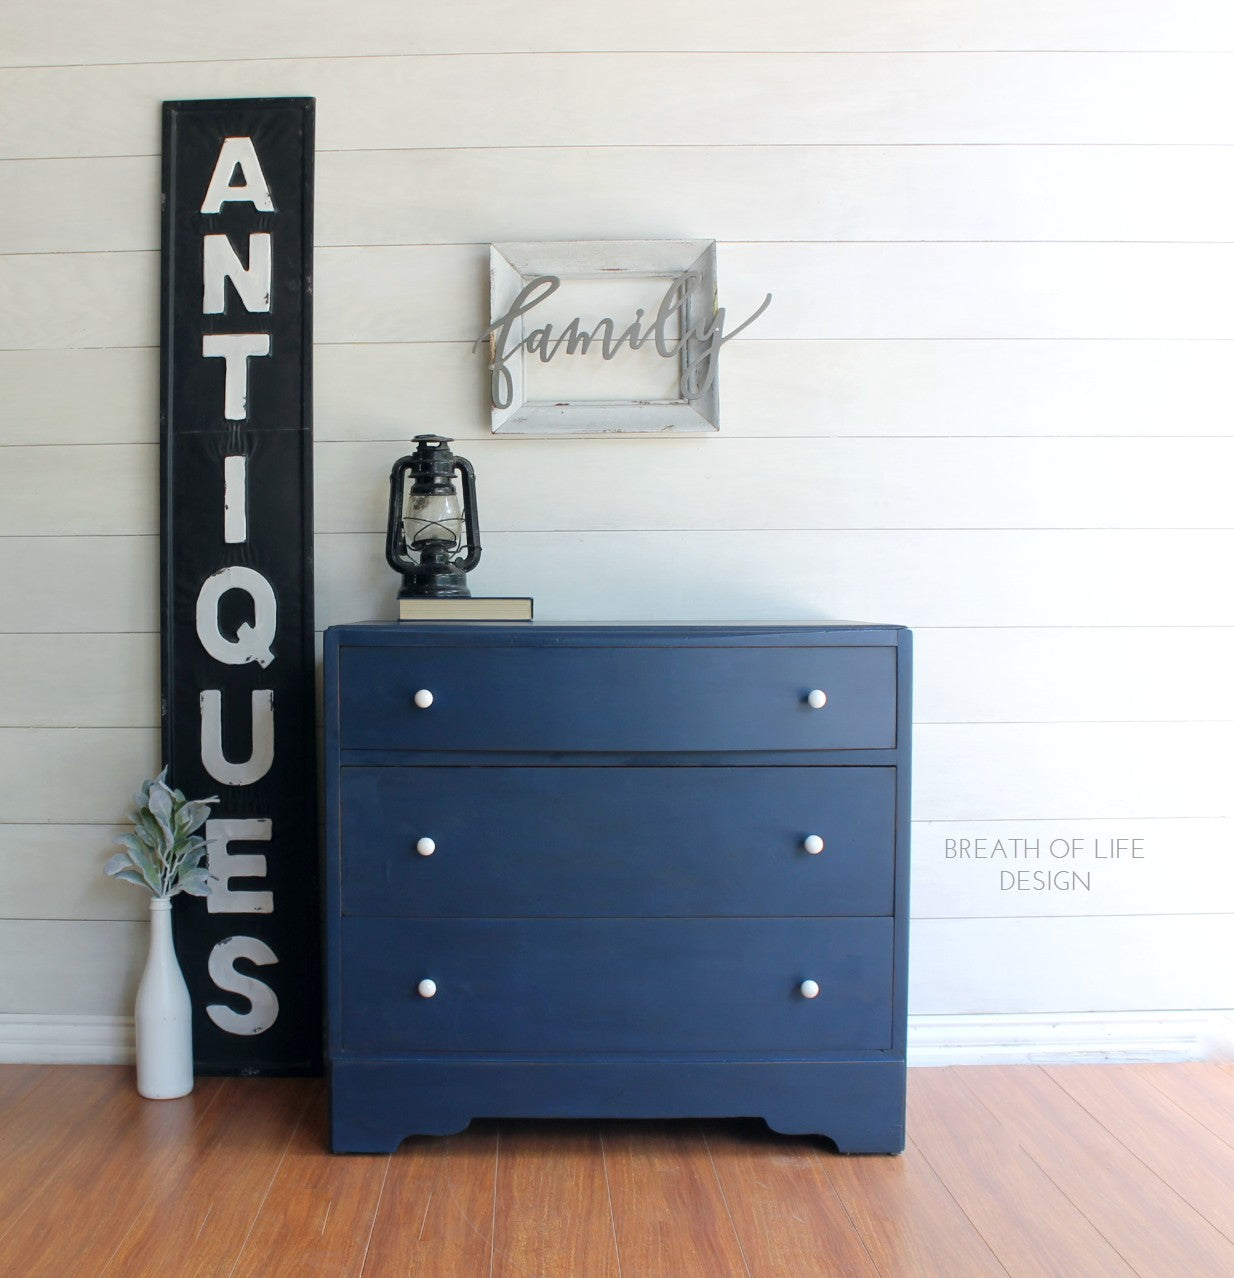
(430, 522)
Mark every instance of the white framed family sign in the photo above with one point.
(605, 336)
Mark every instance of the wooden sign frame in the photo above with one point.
(238, 651)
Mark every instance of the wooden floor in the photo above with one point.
(1071, 1171)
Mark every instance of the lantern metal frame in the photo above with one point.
(434, 570)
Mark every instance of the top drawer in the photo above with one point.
(630, 698)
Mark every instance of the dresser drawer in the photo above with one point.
(617, 840)
(621, 699)
(541, 986)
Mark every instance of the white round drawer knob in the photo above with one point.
(816, 698)
(427, 988)
(813, 844)
(426, 847)
(809, 989)
(423, 698)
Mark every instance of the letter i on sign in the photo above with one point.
(235, 500)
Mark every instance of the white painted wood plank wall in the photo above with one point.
(994, 382)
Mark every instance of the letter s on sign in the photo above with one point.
(265, 1005)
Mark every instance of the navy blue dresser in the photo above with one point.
(617, 871)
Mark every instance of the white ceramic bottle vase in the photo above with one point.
(163, 1015)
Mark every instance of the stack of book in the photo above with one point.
(511, 608)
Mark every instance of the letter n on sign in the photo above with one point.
(237, 569)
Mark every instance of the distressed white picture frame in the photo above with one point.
(548, 399)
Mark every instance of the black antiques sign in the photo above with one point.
(237, 569)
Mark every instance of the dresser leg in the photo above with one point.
(859, 1108)
(374, 1111)
(876, 1136)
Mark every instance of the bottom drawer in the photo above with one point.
(662, 985)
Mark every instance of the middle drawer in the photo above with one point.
(495, 841)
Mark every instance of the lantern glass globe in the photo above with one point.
(433, 519)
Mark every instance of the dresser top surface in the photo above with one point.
(588, 634)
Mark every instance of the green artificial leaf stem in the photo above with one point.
(164, 853)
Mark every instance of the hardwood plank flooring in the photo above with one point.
(1178, 1149)
(1154, 1228)
(908, 1219)
(992, 1177)
(108, 1152)
(201, 1212)
(317, 1217)
(536, 1197)
(669, 1210)
(1197, 1089)
(784, 1208)
(1010, 1170)
(31, 1148)
(15, 1082)
(437, 1209)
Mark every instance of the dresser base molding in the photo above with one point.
(858, 1105)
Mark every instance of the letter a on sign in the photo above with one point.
(237, 582)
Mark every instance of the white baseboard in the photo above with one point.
(66, 1040)
(1002, 1039)
(1070, 1037)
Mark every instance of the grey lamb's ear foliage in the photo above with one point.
(164, 853)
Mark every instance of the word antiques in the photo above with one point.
(701, 335)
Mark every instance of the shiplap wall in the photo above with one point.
(993, 389)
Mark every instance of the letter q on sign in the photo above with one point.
(252, 642)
